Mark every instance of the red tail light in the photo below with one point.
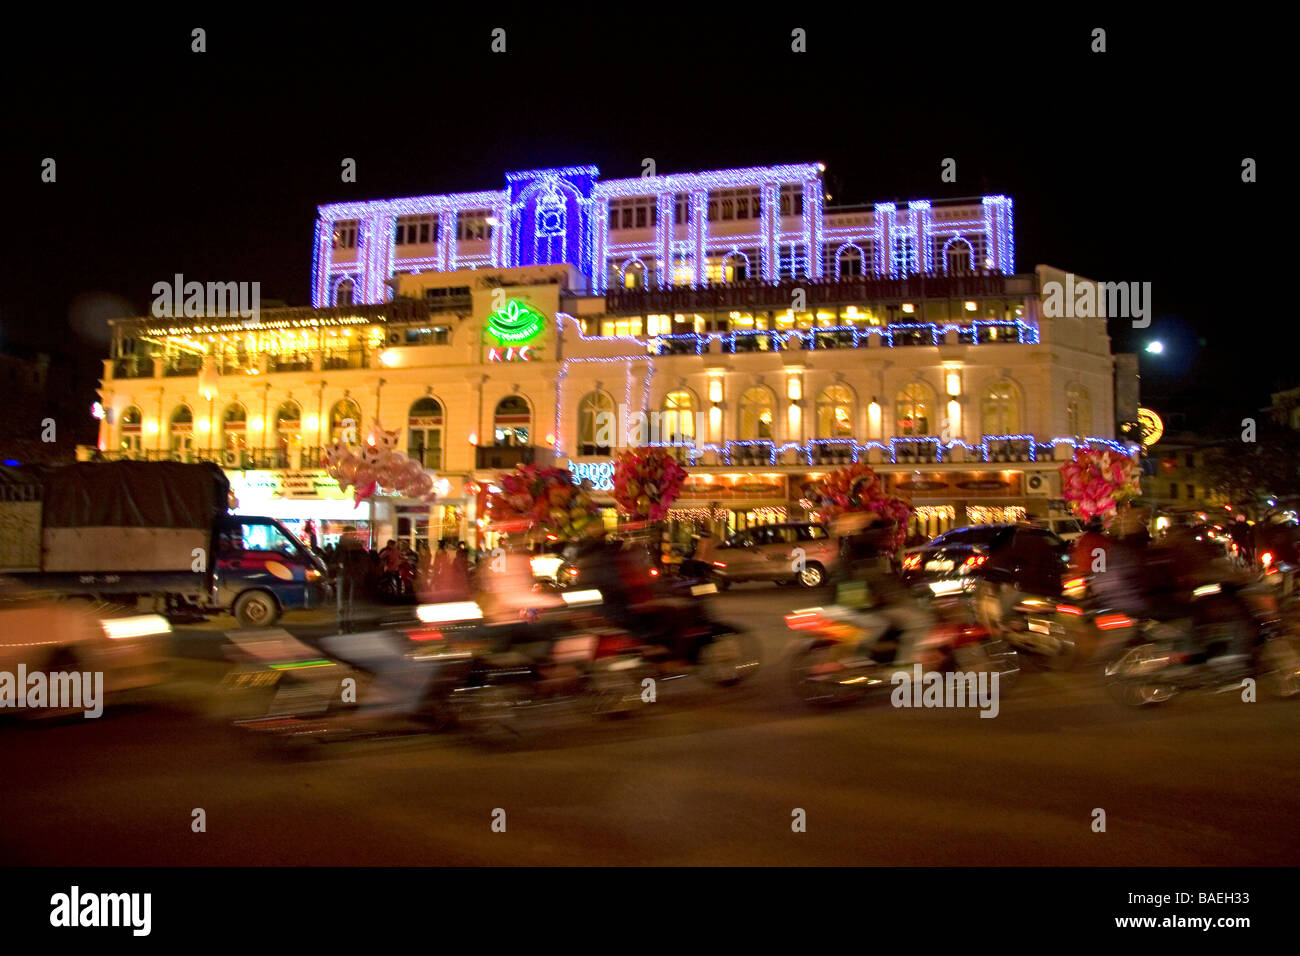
(426, 634)
(1110, 622)
(973, 562)
(719, 564)
(911, 562)
(612, 644)
(804, 621)
(969, 634)
(1266, 558)
(1068, 609)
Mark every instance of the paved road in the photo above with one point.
(705, 776)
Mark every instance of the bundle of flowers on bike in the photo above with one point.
(1095, 483)
(857, 489)
(546, 498)
(646, 482)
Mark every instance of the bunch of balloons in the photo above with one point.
(377, 465)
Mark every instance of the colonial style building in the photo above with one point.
(761, 335)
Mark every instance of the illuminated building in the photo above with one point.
(770, 336)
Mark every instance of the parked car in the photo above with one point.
(802, 552)
(1004, 557)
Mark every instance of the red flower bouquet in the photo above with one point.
(857, 489)
(646, 482)
(545, 497)
(1096, 482)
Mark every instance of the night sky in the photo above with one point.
(1123, 166)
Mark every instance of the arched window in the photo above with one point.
(835, 412)
(510, 422)
(288, 431)
(597, 427)
(234, 427)
(735, 267)
(131, 427)
(634, 274)
(343, 293)
(848, 262)
(424, 438)
(1078, 409)
(756, 413)
(958, 257)
(914, 409)
(677, 421)
(345, 421)
(182, 433)
(1000, 409)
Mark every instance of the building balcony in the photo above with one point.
(181, 367)
(758, 293)
(134, 366)
(504, 457)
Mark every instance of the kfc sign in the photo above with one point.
(511, 353)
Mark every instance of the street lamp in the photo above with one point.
(1156, 347)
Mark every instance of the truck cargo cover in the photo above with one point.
(128, 494)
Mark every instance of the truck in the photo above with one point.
(124, 531)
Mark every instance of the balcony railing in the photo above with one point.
(289, 363)
(352, 358)
(135, 366)
(179, 367)
(758, 293)
(504, 456)
(255, 459)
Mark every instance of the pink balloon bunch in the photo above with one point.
(1096, 482)
(378, 465)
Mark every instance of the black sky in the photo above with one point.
(1123, 166)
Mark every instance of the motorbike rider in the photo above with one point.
(1220, 621)
(511, 605)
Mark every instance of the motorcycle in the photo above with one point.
(1165, 658)
(566, 663)
(853, 651)
(680, 637)
(355, 685)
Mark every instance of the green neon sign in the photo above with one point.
(517, 322)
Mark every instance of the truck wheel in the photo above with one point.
(256, 609)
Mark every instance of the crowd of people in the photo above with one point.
(397, 571)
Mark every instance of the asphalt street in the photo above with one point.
(705, 775)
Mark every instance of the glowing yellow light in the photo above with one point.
(794, 388)
(1152, 426)
(971, 306)
(909, 308)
